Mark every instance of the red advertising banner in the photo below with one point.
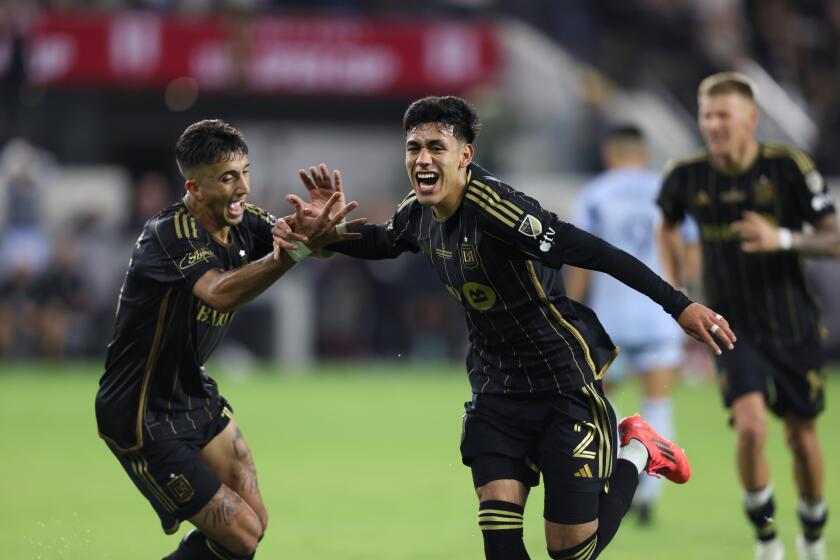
(263, 54)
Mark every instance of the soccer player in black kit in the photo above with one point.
(730, 189)
(536, 358)
(157, 409)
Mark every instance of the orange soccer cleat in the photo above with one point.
(666, 458)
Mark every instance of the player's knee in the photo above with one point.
(801, 438)
(751, 429)
(246, 537)
(752, 436)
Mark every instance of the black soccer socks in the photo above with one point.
(812, 516)
(583, 551)
(501, 525)
(614, 503)
(196, 546)
(762, 519)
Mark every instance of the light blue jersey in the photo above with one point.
(620, 207)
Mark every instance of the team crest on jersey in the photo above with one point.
(203, 254)
(530, 226)
(702, 199)
(469, 256)
(815, 182)
(764, 192)
(180, 488)
(479, 296)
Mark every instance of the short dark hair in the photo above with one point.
(449, 110)
(625, 132)
(208, 141)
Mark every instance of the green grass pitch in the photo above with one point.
(355, 463)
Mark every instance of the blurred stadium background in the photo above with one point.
(94, 94)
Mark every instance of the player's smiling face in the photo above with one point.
(727, 122)
(222, 188)
(436, 162)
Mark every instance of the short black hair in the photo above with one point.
(449, 110)
(625, 132)
(208, 141)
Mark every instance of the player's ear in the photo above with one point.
(193, 189)
(467, 154)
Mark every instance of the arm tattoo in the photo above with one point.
(240, 448)
(823, 244)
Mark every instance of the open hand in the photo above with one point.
(321, 186)
(700, 322)
(316, 230)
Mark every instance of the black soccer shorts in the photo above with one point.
(791, 378)
(170, 473)
(570, 438)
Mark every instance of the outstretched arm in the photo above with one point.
(579, 248)
(228, 290)
(759, 235)
(362, 240)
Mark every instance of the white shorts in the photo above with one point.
(642, 358)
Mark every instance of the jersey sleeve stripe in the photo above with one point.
(489, 210)
(177, 221)
(194, 228)
(494, 204)
(513, 206)
(185, 225)
(803, 162)
(483, 187)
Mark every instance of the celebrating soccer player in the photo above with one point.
(160, 413)
(778, 362)
(536, 358)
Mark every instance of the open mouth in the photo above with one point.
(426, 181)
(236, 208)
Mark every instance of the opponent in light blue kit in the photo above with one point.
(620, 206)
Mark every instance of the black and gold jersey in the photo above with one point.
(499, 256)
(763, 296)
(154, 385)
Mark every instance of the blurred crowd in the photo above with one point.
(59, 281)
(58, 287)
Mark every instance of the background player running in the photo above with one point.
(778, 362)
(619, 206)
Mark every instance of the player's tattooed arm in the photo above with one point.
(758, 234)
